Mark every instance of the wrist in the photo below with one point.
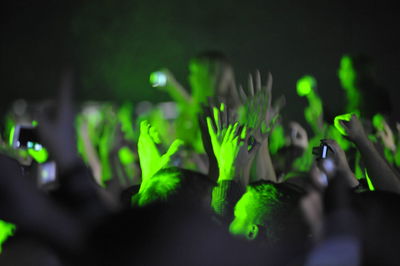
(226, 174)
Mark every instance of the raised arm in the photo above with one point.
(380, 173)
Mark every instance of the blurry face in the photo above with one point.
(201, 80)
(346, 73)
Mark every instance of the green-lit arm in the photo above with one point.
(172, 86)
(314, 112)
(259, 115)
(225, 140)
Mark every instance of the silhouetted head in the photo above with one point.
(205, 75)
(356, 71)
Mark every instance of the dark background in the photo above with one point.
(114, 45)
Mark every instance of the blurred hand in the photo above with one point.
(336, 162)
(257, 111)
(354, 129)
(298, 135)
(57, 130)
(386, 135)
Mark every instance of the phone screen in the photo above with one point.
(46, 173)
(324, 151)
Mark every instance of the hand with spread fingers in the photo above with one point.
(257, 111)
(225, 139)
(151, 161)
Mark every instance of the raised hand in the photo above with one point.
(57, 133)
(384, 132)
(353, 129)
(260, 116)
(151, 161)
(257, 111)
(298, 135)
(225, 140)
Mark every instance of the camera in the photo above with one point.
(26, 137)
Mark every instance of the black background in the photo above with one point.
(114, 45)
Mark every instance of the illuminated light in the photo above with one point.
(378, 121)
(29, 145)
(126, 156)
(37, 147)
(305, 85)
(45, 174)
(6, 230)
(370, 185)
(34, 123)
(344, 117)
(158, 79)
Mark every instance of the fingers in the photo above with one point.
(258, 81)
(242, 94)
(147, 129)
(269, 84)
(250, 85)
(224, 115)
(154, 135)
(217, 118)
(144, 126)
(345, 130)
(235, 132)
(174, 147)
(228, 134)
(211, 129)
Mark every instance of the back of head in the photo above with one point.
(211, 74)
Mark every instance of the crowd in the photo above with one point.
(217, 176)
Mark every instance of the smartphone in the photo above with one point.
(26, 137)
(158, 79)
(47, 174)
(322, 151)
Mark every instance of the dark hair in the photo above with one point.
(213, 56)
(364, 67)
